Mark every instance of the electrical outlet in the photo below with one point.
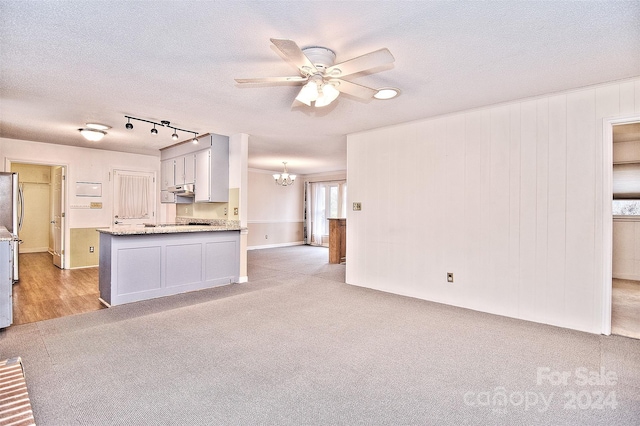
(225, 211)
(91, 249)
(235, 211)
(450, 277)
(357, 207)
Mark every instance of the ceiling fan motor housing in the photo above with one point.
(321, 57)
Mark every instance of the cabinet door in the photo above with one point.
(190, 168)
(179, 171)
(167, 174)
(203, 180)
(167, 197)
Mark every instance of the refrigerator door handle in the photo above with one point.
(21, 201)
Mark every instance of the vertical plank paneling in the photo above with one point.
(509, 198)
(514, 204)
(556, 218)
(627, 98)
(580, 225)
(484, 290)
(607, 105)
(528, 215)
(637, 97)
(473, 206)
(455, 207)
(499, 209)
(542, 202)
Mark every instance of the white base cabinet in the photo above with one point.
(6, 283)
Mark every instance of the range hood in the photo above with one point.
(186, 190)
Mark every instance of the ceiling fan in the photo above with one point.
(322, 79)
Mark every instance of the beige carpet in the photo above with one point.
(297, 346)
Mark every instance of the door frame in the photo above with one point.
(63, 202)
(607, 214)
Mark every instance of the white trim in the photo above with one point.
(242, 280)
(274, 221)
(297, 243)
(34, 250)
(101, 300)
(607, 215)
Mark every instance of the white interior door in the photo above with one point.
(58, 216)
(134, 197)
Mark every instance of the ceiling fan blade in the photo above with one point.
(361, 63)
(353, 89)
(294, 54)
(296, 79)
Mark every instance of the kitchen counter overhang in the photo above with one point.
(139, 263)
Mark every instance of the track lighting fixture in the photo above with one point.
(163, 123)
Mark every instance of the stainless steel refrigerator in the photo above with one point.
(11, 212)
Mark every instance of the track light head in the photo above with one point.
(163, 123)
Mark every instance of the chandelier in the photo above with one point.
(284, 178)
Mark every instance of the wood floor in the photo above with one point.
(625, 309)
(45, 291)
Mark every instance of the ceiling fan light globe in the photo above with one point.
(329, 94)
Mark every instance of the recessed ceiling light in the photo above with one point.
(98, 126)
(387, 93)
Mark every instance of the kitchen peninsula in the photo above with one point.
(145, 262)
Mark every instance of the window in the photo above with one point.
(324, 200)
(626, 189)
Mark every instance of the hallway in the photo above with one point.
(46, 292)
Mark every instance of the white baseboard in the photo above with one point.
(243, 280)
(34, 250)
(629, 277)
(297, 243)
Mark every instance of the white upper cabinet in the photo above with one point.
(212, 170)
(185, 169)
(167, 174)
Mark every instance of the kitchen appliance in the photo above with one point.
(11, 212)
(186, 190)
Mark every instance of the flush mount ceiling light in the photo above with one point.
(387, 93)
(92, 135)
(94, 131)
(163, 123)
(284, 178)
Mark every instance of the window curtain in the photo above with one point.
(134, 197)
(323, 200)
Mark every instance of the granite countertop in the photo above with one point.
(180, 226)
(165, 229)
(5, 235)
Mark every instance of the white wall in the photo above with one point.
(509, 198)
(83, 164)
(274, 211)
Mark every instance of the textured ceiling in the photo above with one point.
(67, 63)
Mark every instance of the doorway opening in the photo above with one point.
(625, 293)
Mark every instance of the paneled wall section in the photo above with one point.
(508, 198)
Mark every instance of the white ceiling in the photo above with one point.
(67, 63)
